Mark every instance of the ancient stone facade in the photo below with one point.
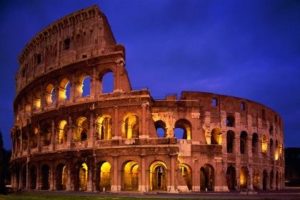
(69, 134)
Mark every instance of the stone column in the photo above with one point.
(53, 136)
(117, 127)
(91, 131)
(27, 173)
(90, 176)
(220, 177)
(250, 178)
(115, 187)
(70, 132)
(142, 185)
(172, 173)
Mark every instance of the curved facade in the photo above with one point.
(72, 133)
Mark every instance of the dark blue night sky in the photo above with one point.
(249, 49)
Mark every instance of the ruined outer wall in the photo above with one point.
(227, 143)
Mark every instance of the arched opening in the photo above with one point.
(276, 154)
(256, 179)
(271, 179)
(271, 149)
(45, 177)
(62, 132)
(183, 129)
(230, 141)
(24, 177)
(244, 173)
(264, 144)
(83, 177)
(158, 176)
(33, 137)
(230, 122)
(265, 180)
(254, 143)
(207, 178)
(231, 178)
(186, 173)
(81, 133)
(130, 178)
(104, 183)
(277, 180)
(37, 101)
(130, 126)
(50, 94)
(216, 136)
(86, 86)
(103, 127)
(107, 83)
(61, 177)
(161, 129)
(243, 142)
(33, 177)
(45, 133)
(64, 90)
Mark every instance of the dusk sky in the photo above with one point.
(249, 49)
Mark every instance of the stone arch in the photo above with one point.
(231, 178)
(216, 136)
(33, 134)
(81, 132)
(23, 177)
(130, 176)
(45, 133)
(271, 149)
(158, 176)
(185, 178)
(83, 172)
(271, 179)
(37, 100)
(62, 132)
(230, 141)
(264, 144)
(130, 126)
(45, 176)
(243, 142)
(64, 89)
(107, 79)
(256, 179)
(50, 94)
(61, 178)
(207, 178)
(104, 127)
(161, 129)
(244, 174)
(277, 180)
(33, 177)
(184, 128)
(230, 120)
(83, 87)
(255, 143)
(103, 176)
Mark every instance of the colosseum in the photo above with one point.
(71, 134)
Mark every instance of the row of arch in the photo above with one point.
(68, 89)
(274, 149)
(158, 177)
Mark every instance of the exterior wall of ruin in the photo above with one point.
(61, 139)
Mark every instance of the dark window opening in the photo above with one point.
(230, 121)
(214, 102)
(263, 113)
(67, 43)
(271, 130)
(243, 143)
(38, 59)
(243, 106)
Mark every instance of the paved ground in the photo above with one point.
(284, 195)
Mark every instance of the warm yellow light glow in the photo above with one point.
(83, 176)
(49, 91)
(28, 108)
(105, 177)
(242, 178)
(264, 144)
(62, 93)
(216, 135)
(155, 166)
(37, 103)
(81, 125)
(103, 127)
(130, 126)
(61, 132)
(36, 131)
(130, 176)
(105, 167)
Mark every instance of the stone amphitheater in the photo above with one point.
(71, 134)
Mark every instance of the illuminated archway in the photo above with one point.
(264, 144)
(104, 179)
(130, 176)
(81, 133)
(216, 136)
(183, 129)
(207, 178)
(62, 132)
(158, 176)
(244, 173)
(83, 87)
(130, 126)
(186, 173)
(64, 90)
(50, 94)
(103, 127)
(61, 177)
(161, 129)
(83, 177)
